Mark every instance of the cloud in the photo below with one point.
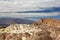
(22, 15)
(29, 8)
(44, 10)
(21, 5)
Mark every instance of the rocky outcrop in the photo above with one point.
(45, 29)
(48, 22)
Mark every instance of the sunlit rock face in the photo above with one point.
(49, 22)
(32, 31)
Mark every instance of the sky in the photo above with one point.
(30, 9)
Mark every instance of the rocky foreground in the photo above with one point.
(45, 29)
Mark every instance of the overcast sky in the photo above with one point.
(11, 7)
(25, 5)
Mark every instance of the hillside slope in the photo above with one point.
(45, 29)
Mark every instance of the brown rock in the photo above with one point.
(2, 36)
(13, 36)
(41, 31)
(48, 22)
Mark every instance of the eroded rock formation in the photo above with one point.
(45, 29)
(49, 22)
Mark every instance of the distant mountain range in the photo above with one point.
(5, 21)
